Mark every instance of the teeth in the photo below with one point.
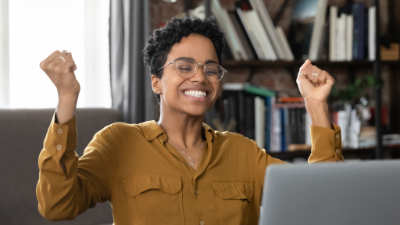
(198, 94)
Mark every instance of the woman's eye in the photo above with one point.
(211, 73)
(184, 69)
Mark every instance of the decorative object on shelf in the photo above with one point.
(353, 91)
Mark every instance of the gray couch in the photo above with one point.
(22, 132)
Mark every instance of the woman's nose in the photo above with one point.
(199, 76)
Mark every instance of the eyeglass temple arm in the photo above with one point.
(165, 65)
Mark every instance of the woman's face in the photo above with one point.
(182, 94)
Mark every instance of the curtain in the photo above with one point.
(131, 91)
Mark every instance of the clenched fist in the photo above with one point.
(60, 67)
(314, 84)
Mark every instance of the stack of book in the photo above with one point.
(317, 32)
(276, 124)
(352, 36)
(250, 33)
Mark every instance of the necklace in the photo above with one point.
(191, 160)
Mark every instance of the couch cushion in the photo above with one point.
(22, 132)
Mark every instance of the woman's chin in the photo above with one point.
(196, 111)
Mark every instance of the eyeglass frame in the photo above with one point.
(197, 68)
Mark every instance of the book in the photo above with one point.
(276, 130)
(250, 33)
(316, 36)
(261, 11)
(259, 105)
(261, 91)
(220, 15)
(261, 35)
(243, 38)
(285, 44)
(235, 36)
(358, 9)
(333, 33)
(349, 37)
(341, 30)
(371, 33)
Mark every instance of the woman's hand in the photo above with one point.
(315, 86)
(61, 73)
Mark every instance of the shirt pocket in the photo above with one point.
(154, 198)
(232, 200)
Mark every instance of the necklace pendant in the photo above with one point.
(191, 162)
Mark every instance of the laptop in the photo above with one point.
(356, 193)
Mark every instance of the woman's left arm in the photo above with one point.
(315, 86)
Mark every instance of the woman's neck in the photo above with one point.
(182, 129)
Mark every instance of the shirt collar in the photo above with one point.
(152, 130)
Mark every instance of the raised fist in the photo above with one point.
(314, 83)
(60, 67)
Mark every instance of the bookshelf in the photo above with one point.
(298, 63)
(379, 151)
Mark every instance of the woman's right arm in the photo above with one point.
(68, 186)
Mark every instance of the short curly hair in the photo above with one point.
(160, 43)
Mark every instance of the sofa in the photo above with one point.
(22, 132)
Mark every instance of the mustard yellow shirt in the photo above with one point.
(147, 181)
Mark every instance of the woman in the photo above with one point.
(177, 170)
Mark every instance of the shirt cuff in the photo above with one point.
(61, 137)
(326, 143)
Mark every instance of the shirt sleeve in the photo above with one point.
(326, 144)
(68, 186)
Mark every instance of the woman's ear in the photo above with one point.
(156, 84)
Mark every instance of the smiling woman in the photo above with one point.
(177, 170)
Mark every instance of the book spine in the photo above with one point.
(371, 33)
(361, 30)
(250, 33)
(259, 105)
(349, 37)
(268, 123)
(249, 116)
(332, 33)
(356, 31)
(283, 130)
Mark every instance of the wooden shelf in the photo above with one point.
(366, 152)
(298, 63)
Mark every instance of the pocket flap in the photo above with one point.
(139, 183)
(234, 190)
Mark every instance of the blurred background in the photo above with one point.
(267, 41)
(356, 41)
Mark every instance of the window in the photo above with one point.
(38, 28)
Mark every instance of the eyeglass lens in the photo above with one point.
(187, 69)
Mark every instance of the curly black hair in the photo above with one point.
(160, 43)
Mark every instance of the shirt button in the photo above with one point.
(196, 192)
(201, 223)
(59, 147)
(337, 136)
(60, 131)
(337, 150)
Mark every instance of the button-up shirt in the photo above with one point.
(147, 181)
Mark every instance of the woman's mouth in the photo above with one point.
(196, 95)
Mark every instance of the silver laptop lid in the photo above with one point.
(365, 193)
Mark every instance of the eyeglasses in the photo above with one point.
(187, 68)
